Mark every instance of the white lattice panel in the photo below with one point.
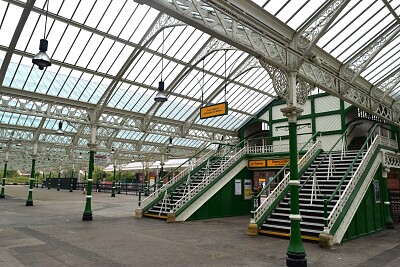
(277, 113)
(301, 139)
(304, 129)
(280, 131)
(265, 116)
(328, 123)
(281, 145)
(328, 141)
(326, 103)
(307, 108)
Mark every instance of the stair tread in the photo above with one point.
(288, 228)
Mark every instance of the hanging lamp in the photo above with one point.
(160, 96)
(41, 59)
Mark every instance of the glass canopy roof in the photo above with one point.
(108, 56)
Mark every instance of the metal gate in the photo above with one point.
(394, 198)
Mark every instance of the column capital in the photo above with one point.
(291, 112)
(385, 171)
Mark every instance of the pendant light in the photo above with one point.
(160, 96)
(60, 130)
(41, 59)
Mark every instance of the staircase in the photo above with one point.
(161, 208)
(320, 178)
(357, 143)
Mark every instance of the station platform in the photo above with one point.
(51, 233)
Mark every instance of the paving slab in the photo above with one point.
(52, 233)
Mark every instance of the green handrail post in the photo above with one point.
(140, 198)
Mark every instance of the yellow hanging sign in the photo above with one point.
(214, 110)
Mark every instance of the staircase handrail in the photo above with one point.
(346, 193)
(258, 213)
(327, 200)
(323, 159)
(210, 177)
(216, 160)
(159, 191)
(300, 164)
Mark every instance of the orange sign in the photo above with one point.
(277, 162)
(214, 110)
(257, 163)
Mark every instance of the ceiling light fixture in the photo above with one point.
(60, 131)
(160, 96)
(41, 59)
(18, 144)
(170, 144)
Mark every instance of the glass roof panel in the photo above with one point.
(132, 135)
(361, 24)
(19, 119)
(194, 84)
(8, 14)
(385, 62)
(52, 124)
(156, 138)
(177, 141)
(131, 97)
(140, 23)
(229, 122)
(294, 13)
(177, 108)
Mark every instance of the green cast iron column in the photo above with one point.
(87, 214)
(113, 182)
(296, 255)
(29, 201)
(49, 183)
(3, 184)
(71, 179)
(119, 180)
(59, 179)
(43, 178)
(385, 197)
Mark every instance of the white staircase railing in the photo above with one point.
(144, 202)
(209, 177)
(258, 213)
(345, 195)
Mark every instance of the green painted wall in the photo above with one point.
(369, 216)
(224, 203)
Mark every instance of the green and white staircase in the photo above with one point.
(342, 178)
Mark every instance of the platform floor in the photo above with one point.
(51, 233)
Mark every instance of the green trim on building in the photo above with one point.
(225, 203)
